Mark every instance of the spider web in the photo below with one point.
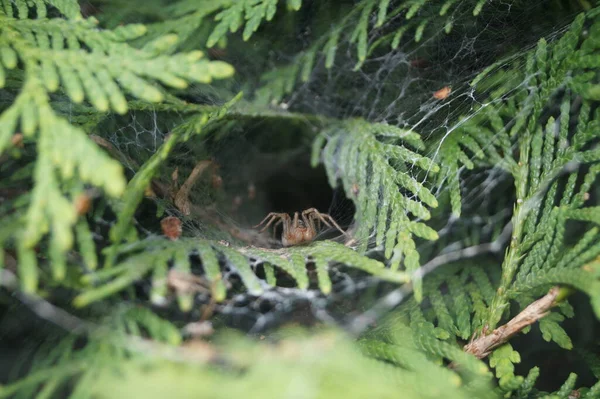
(264, 169)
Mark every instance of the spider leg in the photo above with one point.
(315, 215)
(287, 224)
(271, 217)
(309, 222)
(323, 217)
(307, 212)
(309, 217)
(295, 223)
(326, 216)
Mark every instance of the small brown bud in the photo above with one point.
(442, 93)
(171, 227)
(17, 140)
(82, 204)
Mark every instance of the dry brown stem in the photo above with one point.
(182, 201)
(486, 343)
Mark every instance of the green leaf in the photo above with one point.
(552, 331)
(503, 360)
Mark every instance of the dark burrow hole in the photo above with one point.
(266, 169)
(299, 187)
(293, 189)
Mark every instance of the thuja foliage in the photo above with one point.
(347, 152)
(82, 196)
(86, 63)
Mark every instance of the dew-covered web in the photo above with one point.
(403, 87)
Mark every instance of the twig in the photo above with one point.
(484, 344)
(182, 201)
(42, 308)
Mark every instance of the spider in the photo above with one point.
(299, 231)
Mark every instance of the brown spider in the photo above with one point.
(299, 231)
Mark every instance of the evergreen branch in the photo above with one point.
(127, 332)
(68, 8)
(366, 166)
(365, 17)
(584, 279)
(510, 263)
(39, 47)
(484, 143)
(540, 162)
(552, 331)
(197, 368)
(252, 11)
(186, 18)
(115, 64)
(528, 383)
(154, 255)
(594, 391)
(538, 122)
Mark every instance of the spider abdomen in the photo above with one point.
(299, 235)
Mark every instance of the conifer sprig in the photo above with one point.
(87, 64)
(378, 173)
(152, 257)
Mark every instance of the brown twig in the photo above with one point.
(486, 343)
(112, 150)
(181, 199)
(39, 306)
